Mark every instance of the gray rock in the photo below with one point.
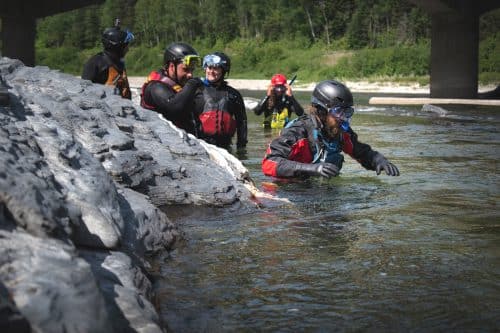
(127, 292)
(11, 320)
(52, 287)
(148, 230)
(434, 109)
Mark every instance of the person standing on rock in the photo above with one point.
(170, 90)
(108, 67)
(219, 107)
(312, 145)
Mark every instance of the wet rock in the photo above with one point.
(439, 111)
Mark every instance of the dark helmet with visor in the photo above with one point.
(217, 59)
(181, 53)
(116, 40)
(335, 98)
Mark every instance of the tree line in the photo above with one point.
(329, 25)
(362, 23)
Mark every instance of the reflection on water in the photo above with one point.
(418, 252)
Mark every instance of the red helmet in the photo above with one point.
(278, 79)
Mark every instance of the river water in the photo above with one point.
(359, 252)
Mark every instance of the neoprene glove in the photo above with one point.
(323, 169)
(381, 163)
(194, 82)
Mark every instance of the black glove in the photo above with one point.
(381, 163)
(323, 169)
(194, 82)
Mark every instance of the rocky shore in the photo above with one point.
(83, 174)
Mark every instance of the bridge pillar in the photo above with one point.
(454, 55)
(18, 38)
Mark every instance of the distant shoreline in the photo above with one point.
(355, 86)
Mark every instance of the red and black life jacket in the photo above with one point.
(216, 120)
(158, 76)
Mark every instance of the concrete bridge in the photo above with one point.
(454, 45)
(19, 23)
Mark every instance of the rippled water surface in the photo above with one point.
(360, 252)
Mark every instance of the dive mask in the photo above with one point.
(279, 89)
(344, 114)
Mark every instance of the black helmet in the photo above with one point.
(181, 52)
(115, 40)
(330, 93)
(218, 59)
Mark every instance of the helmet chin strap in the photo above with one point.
(175, 72)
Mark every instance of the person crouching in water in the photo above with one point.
(278, 104)
(312, 145)
(170, 90)
(108, 67)
(220, 107)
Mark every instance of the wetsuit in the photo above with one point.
(104, 68)
(283, 102)
(302, 142)
(221, 113)
(163, 95)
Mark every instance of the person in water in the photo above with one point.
(108, 67)
(278, 104)
(312, 144)
(170, 90)
(219, 107)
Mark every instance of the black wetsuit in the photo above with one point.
(175, 103)
(104, 68)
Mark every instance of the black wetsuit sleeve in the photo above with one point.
(241, 121)
(294, 106)
(170, 104)
(96, 70)
(262, 106)
(276, 161)
(362, 152)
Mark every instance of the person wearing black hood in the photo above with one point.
(108, 67)
(220, 107)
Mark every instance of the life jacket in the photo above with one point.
(216, 120)
(120, 81)
(319, 148)
(158, 76)
(280, 119)
(328, 151)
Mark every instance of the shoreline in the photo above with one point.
(354, 86)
